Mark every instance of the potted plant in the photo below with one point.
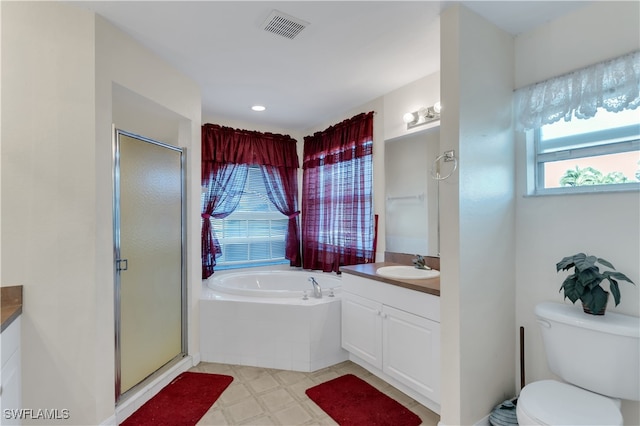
(584, 283)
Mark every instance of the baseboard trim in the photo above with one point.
(111, 421)
(482, 422)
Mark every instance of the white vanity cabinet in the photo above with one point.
(362, 328)
(394, 332)
(10, 377)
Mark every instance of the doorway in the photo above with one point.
(149, 259)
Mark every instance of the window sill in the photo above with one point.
(250, 265)
(587, 189)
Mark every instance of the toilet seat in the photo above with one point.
(549, 402)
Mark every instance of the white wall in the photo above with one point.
(0, 145)
(477, 282)
(424, 92)
(551, 227)
(67, 67)
(49, 199)
(127, 75)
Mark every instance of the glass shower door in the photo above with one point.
(149, 258)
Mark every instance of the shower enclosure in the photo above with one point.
(149, 261)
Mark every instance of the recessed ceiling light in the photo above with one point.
(258, 108)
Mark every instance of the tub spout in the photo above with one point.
(317, 290)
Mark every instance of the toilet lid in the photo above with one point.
(553, 403)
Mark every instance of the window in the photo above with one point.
(596, 154)
(254, 234)
(346, 208)
(338, 224)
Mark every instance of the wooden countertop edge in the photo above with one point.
(9, 314)
(368, 270)
(10, 305)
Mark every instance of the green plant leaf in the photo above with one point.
(617, 275)
(571, 288)
(613, 287)
(590, 277)
(566, 263)
(586, 298)
(605, 263)
(597, 299)
(584, 262)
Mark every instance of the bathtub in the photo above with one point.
(271, 319)
(275, 284)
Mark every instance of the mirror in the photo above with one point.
(411, 198)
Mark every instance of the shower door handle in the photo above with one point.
(120, 263)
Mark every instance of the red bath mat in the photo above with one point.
(351, 401)
(182, 402)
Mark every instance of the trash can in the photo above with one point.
(504, 414)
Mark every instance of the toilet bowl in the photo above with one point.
(549, 402)
(598, 360)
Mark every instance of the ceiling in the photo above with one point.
(349, 53)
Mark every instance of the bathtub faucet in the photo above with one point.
(317, 290)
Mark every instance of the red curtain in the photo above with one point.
(223, 148)
(222, 144)
(337, 215)
(282, 189)
(224, 186)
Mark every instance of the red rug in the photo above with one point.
(182, 402)
(351, 401)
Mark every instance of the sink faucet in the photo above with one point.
(317, 290)
(419, 262)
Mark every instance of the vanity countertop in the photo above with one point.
(10, 304)
(368, 270)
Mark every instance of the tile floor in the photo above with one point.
(264, 396)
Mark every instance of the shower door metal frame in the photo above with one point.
(119, 396)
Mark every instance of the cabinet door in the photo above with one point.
(362, 328)
(11, 381)
(411, 351)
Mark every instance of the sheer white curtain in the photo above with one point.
(613, 85)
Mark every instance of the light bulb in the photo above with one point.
(258, 108)
(437, 107)
(409, 117)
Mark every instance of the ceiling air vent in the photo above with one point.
(284, 25)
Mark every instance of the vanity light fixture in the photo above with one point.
(258, 108)
(422, 116)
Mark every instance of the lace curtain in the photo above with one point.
(613, 85)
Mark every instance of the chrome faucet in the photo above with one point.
(419, 262)
(317, 290)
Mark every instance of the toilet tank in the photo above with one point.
(597, 353)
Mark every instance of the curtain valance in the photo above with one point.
(226, 145)
(340, 142)
(613, 85)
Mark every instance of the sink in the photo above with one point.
(406, 272)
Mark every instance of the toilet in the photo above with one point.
(598, 359)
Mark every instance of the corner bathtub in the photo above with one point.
(261, 318)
